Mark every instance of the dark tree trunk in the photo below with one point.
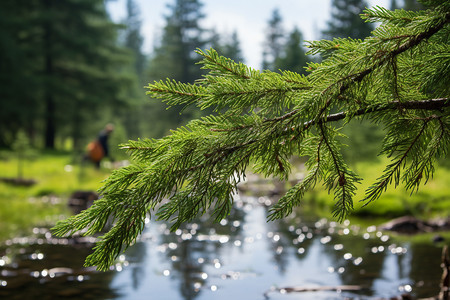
(77, 128)
(50, 127)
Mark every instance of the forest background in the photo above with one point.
(67, 69)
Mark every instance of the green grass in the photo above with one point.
(432, 200)
(44, 203)
(57, 177)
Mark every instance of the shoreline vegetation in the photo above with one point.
(58, 174)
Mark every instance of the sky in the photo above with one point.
(249, 18)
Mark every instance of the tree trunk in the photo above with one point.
(50, 127)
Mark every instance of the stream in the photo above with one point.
(243, 257)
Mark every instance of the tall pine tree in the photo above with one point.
(19, 108)
(412, 5)
(133, 116)
(274, 42)
(346, 21)
(182, 34)
(228, 46)
(294, 55)
(174, 56)
(133, 39)
(71, 59)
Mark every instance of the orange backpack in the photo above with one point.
(95, 151)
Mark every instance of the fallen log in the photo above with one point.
(338, 288)
(412, 225)
(18, 181)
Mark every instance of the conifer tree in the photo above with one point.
(397, 78)
(65, 53)
(345, 21)
(294, 56)
(17, 108)
(182, 34)
(133, 37)
(132, 117)
(174, 57)
(412, 5)
(394, 5)
(228, 46)
(233, 48)
(273, 45)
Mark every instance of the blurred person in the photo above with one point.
(99, 149)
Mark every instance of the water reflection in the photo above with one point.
(242, 257)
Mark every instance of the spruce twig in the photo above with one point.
(397, 78)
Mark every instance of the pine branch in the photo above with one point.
(432, 104)
(340, 178)
(393, 170)
(286, 204)
(263, 118)
(219, 65)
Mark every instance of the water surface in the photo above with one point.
(243, 257)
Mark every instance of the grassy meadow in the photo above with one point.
(57, 176)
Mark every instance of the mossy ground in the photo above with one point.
(56, 176)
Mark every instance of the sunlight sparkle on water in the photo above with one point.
(377, 249)
(357, 261)
(197, 286)
(224, 239)
(384, 238)
(338, 247)
(35, 274)
(325, 239)
(405, 288)
(372, 228)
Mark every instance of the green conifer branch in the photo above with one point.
(397, 78)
